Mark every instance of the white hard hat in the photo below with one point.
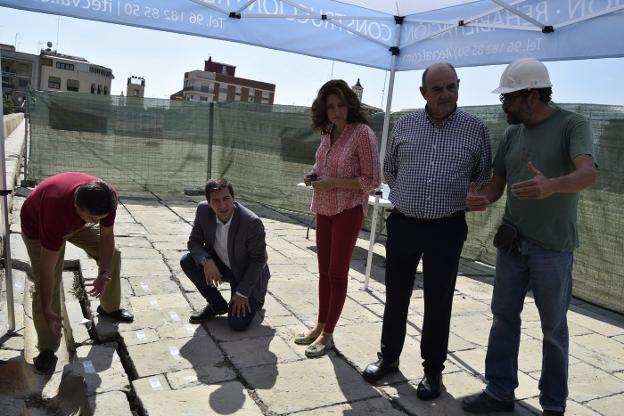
(523, 74)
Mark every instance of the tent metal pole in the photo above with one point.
(26, 131)
(5, 218)
(382, 155)
(210, 141)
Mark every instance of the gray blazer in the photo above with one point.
(246, 247)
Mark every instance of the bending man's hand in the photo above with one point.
(211, 273)
(474, 201)
(98, 285)
(539, 187)
(239, 306)
(54, 321)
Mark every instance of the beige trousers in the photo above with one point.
(88, 239)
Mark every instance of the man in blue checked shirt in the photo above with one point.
(434, 155)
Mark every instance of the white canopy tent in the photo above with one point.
(395, 35)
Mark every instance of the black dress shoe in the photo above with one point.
(429, 387)
(484, 403)
(207, 314)
(378, 369)
(45, 362)
(120, 315)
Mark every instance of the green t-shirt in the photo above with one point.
(551, 146)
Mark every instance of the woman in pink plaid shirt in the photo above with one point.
(346, 169)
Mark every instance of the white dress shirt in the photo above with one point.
(221, 240)
(221, 243)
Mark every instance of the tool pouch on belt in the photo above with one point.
(507, 239)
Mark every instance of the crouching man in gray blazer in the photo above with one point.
(227, 243)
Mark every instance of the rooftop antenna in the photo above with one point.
(58, 28)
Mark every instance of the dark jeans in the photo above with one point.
(439, 243)
(212, 294)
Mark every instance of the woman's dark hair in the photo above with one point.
(214, 185)
(340, 89)
(95, 197)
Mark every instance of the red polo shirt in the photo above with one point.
(49, 214)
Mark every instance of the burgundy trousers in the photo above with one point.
(335, 240)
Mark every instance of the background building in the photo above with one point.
(135, 87)
(358, 89)
(20, 72)
(217, 82)
(50, 71)
(61, 72)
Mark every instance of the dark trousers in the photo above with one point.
(439, 243)
(212, 294)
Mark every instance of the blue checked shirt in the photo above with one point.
(429, 168)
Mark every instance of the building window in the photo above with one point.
(99, 89)
(63, 65)
(105, 90)
(92, 88)
(23, 83)
(54, 82)
(73, 85)
(99, 71)
(46, 62)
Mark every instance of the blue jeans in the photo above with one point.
(549, 275)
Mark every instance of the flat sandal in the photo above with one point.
(303, 339)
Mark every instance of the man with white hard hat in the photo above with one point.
(546, 157)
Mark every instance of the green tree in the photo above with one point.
(7, 104)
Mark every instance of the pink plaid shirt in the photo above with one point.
(353, 155)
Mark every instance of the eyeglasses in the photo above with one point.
(507, 99)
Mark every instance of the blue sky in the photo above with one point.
(162, 58)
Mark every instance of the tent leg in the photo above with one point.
(6, 230)
(382, 155)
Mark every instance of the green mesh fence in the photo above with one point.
(167, 146)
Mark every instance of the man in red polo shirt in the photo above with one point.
(62, 208)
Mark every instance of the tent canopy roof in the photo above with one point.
(365, 32)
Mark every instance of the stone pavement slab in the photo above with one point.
(225, 399)
(308, 384)
(140, 336)
(611, 405)
(170, 355)
(153, 285)
(457, 386)
(108, 404)
(220, 331)
(101, 369)
(175, 367)
(259, 351)
(150, 385)
(198, 376)
(587, 353)
(588, 383)
(377, 407)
